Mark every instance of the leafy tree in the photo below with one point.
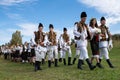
(16, 38)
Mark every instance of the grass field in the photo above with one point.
(18, 71)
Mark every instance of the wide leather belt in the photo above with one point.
(106, 39)
(77, 38)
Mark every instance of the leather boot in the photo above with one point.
(56, 62)
(69, 61)
(49, 63)
(74, 60)
(90, 65)
(80, 64)
(64, 60)
(109, 63)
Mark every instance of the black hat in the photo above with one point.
(102, 18)
(83, 14)
(40, 25)
(64, 29)
(51, 26)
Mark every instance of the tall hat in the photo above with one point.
(51, 26)
(64, 29)
(102, 18)
(83, 14)
(40, 25)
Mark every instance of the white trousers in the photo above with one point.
(61, 53)
(104, 51)
(64, 51)
(52, 52)
(43, 55)
(38, 56)
(83, 52)
(43, 52)
(77, 53)
(82, 49)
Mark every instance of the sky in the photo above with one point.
(25, 15)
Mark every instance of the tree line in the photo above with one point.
(17, 38)
(116, 37)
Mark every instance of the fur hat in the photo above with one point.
(83, 14)
(51, 26)
(64, 29)
(102, 18)
(40, 25)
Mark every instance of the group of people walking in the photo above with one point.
(46, 45)
(100, 41)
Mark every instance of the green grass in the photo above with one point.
(18, 71)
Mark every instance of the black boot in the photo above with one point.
(49, 63)
(109, 63)
(36, 66)
(56, 62)
(100, 60)
(39, 65)
(99, 65)
(60, 60)
(90, 65)
(64, 60)
(43, 61)
(74, 60)
(80, 64)
(69, 61)
(83, 62)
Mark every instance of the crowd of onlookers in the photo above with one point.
(17, 53)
